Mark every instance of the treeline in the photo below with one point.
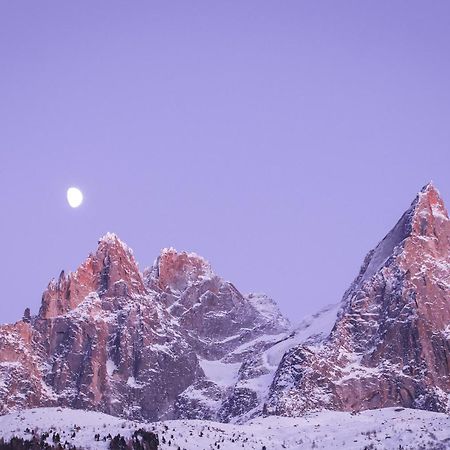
(140, 440)
(34, 443)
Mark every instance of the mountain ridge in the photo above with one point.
(178, 341)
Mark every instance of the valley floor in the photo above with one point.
(391, 428)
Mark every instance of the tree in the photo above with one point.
(118, 443)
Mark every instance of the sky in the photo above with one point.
(279, 140)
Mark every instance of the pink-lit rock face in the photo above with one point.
(176, 271)
(107, 340)
(110, 272)
(390, 345)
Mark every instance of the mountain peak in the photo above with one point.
(177, 270)
(111, 271)
(390, 343)
(109, 237)
(428, 186)
(111, 240)
(430, 202)
(425, 220)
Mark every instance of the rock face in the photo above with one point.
(110, 272)
(143, 346)
(390, 345)
(177, 341)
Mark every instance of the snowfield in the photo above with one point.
(387, 428)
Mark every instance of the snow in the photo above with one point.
(355, 370)
(201, 396)
(110, 367)
(220, 373)
(447, 332)
(131, 381)
(437, 212)
(318, 325)
(266, 338)
(382, 429)
(312, 330)
(228, 339)
(267, 308)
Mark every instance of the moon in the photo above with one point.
(74, 197)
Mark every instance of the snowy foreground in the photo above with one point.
(378, 429)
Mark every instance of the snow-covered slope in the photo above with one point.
(252, 386)
(377, 429)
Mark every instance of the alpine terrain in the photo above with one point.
(176, 341)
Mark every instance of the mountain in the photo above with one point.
(166, 343)
(390, 345)
(177, 341)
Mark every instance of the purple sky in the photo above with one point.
(281, 141)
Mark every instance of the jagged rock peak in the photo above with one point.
(390, 344)
(427, 217)
(429, 203)
(113, 251)
(109, 272)
(427, 207)
(111, 240)
(177, 270)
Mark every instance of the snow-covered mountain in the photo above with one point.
(179, 342)
(390, 345)
(168, 343)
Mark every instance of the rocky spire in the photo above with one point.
(176, 271)
(426, 219)
(430, 214)
(110, 271)
(389, 346)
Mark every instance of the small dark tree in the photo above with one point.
(145, 440)
(118, 443)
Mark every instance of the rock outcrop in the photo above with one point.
(390, 345)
